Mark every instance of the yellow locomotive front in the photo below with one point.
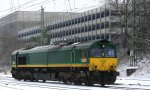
(103, 62)
(103, 59)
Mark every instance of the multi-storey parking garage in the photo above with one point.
(98, 23)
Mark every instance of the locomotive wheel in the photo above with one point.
(31, 80)
(77, 82)
(60, 79)
(88, 83)
(102, 85)
(44, 80)
(14, 76)
(112, 80)
(64, 80)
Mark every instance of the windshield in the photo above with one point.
(106, 52)
(109, 52)
(96, 52)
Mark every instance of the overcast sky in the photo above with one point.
(9, 6)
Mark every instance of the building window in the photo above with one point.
(98, 37)
(89, 28)
(93, 37)
(82, 29)
(98, 26)
(69, 32)
(86, 18)
(73, 31)
(63, 24)
(89, 17)
(97, 15)
(82, 19)
(93, 27)
(106, 12)
(72, 21)
(102, 14)
(76, 30)
(86, 28)
(79, 20)
(93, 16)
(58, 25)
(76, 21)
(79, 30)
(66, 23)
(102, 25)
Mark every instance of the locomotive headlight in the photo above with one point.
(112, 67)
(95, 67)
(103, 45)
(14, 62)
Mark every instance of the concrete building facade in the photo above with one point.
(98, 23)
(19, 20)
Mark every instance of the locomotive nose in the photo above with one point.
(102, 64)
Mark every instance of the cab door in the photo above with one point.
(73, 59)
(16, 59)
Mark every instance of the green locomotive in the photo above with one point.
(88, 63)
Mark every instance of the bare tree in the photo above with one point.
(134, 16)
(123, 12)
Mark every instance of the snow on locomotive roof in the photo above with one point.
(42, 47)
(14, 52)
(62, 46)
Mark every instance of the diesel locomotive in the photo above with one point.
(88, 63)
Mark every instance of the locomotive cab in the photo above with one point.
(103, 59)
(103, 62)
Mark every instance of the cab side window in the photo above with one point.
(22, 60)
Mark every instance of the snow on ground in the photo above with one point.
(8, 83)
(143, 70)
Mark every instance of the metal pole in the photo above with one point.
(109, 22)
(105, 21)
(42, 25)
(100, 23)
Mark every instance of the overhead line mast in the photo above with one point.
(45, 38)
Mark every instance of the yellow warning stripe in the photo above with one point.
(53, 65)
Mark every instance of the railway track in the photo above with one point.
(12, 84)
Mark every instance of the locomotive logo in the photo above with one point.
(83, 59)
(103, 62)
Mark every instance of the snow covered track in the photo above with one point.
(40, 85)
(8, 83)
